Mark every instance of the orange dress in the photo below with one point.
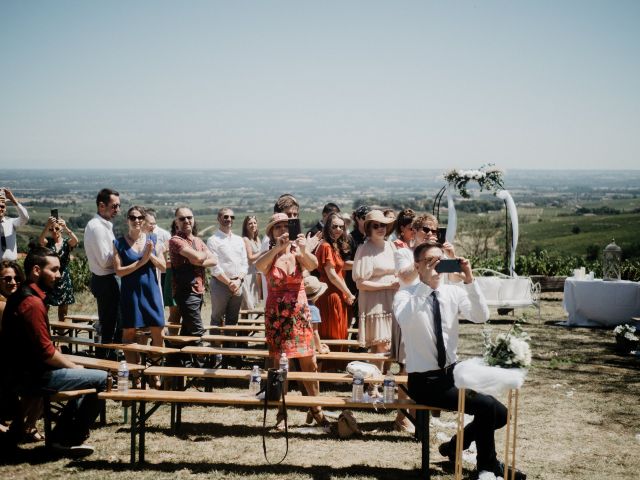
(333, 308)
(287, 316)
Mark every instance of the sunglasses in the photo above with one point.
(376, 226)
(227, 217)
(427, 230)
(115, 206)
(9, 279)
(182, 219)
(2, 207)
(55, 229)
(337, 227)
(133, 218)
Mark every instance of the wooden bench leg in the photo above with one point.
(103, 413)
(47, 420)
(134, 427)
(142, 431)
(422, 435)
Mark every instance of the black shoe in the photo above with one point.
(73, 451)
(446, 451)
(499, 472)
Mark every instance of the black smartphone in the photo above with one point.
(294, 228)
(54, 213)
(442, 234)
(449, 265)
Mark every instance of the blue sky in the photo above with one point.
(331, 84)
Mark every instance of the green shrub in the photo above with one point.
(80, 273)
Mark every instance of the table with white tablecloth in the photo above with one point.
(598, 303)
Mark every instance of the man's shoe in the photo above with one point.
(499, 472)
(74, 451)
(446, 451)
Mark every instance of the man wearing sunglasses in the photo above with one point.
(8, 226)
(227, 276)
(189, 257)
(98, 245)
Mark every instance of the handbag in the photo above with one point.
(347, 425)
(274, 390)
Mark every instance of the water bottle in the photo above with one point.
(389, 388)
(357, 388)
(284, 363)
(254, 381)
(123, 377)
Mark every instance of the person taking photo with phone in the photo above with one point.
(52, 237)
(8, 225)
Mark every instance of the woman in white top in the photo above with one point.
(251, 287)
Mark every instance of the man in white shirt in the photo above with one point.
(8, 226)
(428, 316)
(227, 276)
(98, 245)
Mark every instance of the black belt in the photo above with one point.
(441, 371)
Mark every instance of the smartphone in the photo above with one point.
(294, 228)
(442, 234)
(54, 213)
(449, 265)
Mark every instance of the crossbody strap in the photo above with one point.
(264, 425)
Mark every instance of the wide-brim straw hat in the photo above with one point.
(276, 218)
(378, 216)
(314, 288)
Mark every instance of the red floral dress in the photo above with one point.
(287, 317)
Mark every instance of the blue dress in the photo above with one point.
(140, 298)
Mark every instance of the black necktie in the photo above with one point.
(3, 239)
(437, 327)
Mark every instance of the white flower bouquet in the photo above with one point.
(626, 338)
(508, 350)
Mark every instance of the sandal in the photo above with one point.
(280, 418)
(315, 413)
(32, 435)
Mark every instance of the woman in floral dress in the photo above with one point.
(62, 295)
(288, 326)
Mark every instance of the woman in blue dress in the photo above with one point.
(135, 262)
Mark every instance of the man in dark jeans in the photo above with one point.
(34, 366)
(98, 245)
(189, 258)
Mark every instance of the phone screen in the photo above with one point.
(449, 265)
(294, 228)
(442, 234)
(54, 213)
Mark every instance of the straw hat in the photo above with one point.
(378, 216)
(276, 218)
(314, 288)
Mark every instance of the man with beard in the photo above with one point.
(34, 366)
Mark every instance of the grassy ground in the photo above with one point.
(577, 420)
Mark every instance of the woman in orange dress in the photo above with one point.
(333, 304)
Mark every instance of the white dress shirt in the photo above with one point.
(232, 255)
(98, 245)
(8, 229)
(163, 236)
(413, 308)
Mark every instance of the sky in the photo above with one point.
(320, 84)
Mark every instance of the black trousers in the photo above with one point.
(436, 388)
(107, 292)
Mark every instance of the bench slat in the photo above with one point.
(100, 364)
(246, 352)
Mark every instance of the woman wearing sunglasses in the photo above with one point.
(333, 304)
(51, 237)
(251, 286)
(135, 262)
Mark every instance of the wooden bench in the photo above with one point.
(140, 398)
(100, 364)
(52, 408)
(74, 328)
(81, 318)
(256, 339)
(249, 352)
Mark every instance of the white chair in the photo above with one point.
(503, 291)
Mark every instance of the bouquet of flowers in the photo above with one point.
(508, 350)
(487, 176)
(626, 338)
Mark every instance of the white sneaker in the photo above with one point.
(75, 451)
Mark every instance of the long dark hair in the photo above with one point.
(340, 244)
(245, 228)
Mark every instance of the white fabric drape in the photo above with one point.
(452, 218)
(513, 214)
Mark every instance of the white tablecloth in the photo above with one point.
(598, 303)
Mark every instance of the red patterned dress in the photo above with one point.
(287, 317)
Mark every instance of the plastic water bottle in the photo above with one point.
(357, 388)
(284, 363)
(254, 381)
(389, 388)
(123, 377)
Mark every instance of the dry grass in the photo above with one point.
(578, 420)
